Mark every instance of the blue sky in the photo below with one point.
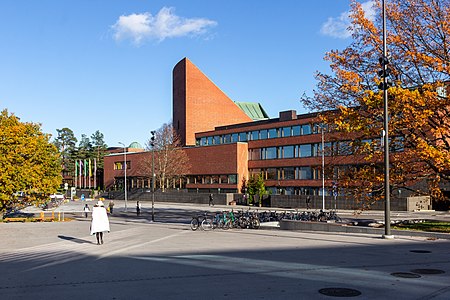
(107, 64)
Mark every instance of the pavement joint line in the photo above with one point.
(126, 249)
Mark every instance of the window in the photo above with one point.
(243, 136)
(263, 134)
(271, 174)
(254, 172)
(207, 180)
(255, 135)
(234, 138)
(288, 151)
(255, 154)
(227, 138)
(273, 133)
(304, 173)
(305, 150)
(118, 165)
(306, 129)
(217, 140)
(210, 140)
(296, 130)
(270, 153)
(286, 131)
(215, 179)
(232, 179)
(288, 173)
(203, 141)
(224, 179)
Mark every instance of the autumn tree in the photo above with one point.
(171, 161)
(418, 35)
(29, 162)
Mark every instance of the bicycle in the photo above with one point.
(198, 221)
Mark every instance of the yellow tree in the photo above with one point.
(418, 35)
(29, 162)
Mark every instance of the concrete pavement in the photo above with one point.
(166, 260)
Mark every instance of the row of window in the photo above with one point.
(315, 149)
(261, 134)
(287, 173)
(212, 179)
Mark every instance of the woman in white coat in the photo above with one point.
(100, 222)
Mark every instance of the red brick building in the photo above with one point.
(228, 141)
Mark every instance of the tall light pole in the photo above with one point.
(323, 168)
(125, 165)
(152, 143)
(385, 85)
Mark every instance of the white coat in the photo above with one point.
(100, 222)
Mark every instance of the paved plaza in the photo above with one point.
(164, 259)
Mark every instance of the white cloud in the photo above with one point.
(338, 27)
(165, 24)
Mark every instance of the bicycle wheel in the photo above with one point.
(207, 224)
(255, 223)
(227, 225)
(194, 224)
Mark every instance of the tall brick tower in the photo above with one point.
(199, 105)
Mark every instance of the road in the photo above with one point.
(166, 260)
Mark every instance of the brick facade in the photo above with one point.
(199, 105)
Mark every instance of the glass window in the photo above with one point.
(197, 142)
(272, 174)
(254, 172)
(263, 134)
(215, 179)
(210, 140)
(224, 179)
(305, 150)
(306, 129)
(227, 138)
(255, 135)
(304, 173)
(199, 179)
(207, 180)
(288, 173)
(232, 179)
(255, 154)
(243, 136)
(203, 141)
(273, 133)
(286, 131)
(216, 140)
(288, 151)
(234, 138)
(270, 153)
(296, 130)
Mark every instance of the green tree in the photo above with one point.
(256, 186)
(85, 149)
(66, 144)
(98, 147)
(29, 162)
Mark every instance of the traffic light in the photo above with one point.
(384, 73)
(152, 139)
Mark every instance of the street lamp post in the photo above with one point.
(387, 201)
(152, 143)
(125, 165)
(323, 168)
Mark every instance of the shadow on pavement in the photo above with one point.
(74, 239)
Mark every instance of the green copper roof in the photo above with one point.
(253, 110)
(135, 145)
